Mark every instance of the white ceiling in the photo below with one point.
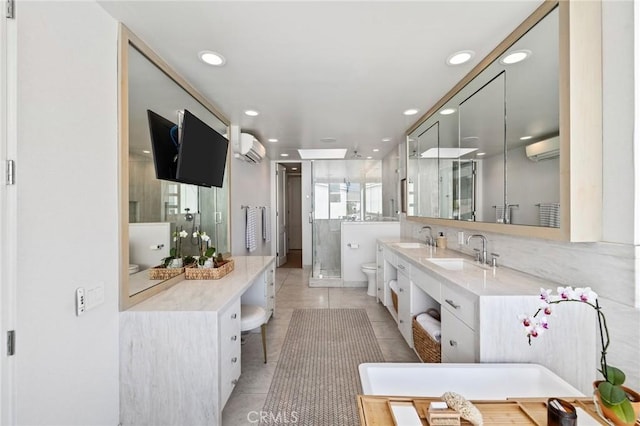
(319, 69)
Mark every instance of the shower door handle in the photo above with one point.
(310, 217)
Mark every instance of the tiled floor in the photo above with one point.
(293, 292)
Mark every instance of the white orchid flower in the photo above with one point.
(205, 237)
(183, 234)
(175, 238)
(195, 234)
(586, 295)
(545, 294)
(566, 293)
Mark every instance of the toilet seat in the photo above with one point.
(371, 266)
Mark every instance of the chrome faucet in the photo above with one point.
(429, 241)
(483, 254)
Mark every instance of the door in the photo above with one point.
(294, 213)
(281, 213)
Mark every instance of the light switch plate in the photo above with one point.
(80, 301)
(95, 296)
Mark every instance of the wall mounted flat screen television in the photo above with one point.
(202, 154)
(165, 144)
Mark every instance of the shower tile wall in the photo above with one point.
(145, 191)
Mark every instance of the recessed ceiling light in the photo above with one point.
(322, 154)
(480, 154)
(284, 155)
(212, 58)
(411, 111)
(447, 111)
(369, 157)
(375, 150)
(251, 113)
(294, 168)
(272, 140)
(515, 57)
(460, 58)
(386, 140)
(146, 151)
(328, 140)
(525, 138)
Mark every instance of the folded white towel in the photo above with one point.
(393, 285)
(430, 325)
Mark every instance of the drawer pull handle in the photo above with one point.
(272, 297)
(450, 302)
(453, 343)
(234, 382)
(401, 321)
(271, 284)
(401, 289)
(401, 266)
(234, 338)
(234, 359)
(234, 316)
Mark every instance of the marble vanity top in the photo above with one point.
(480, 280)
(208, 295)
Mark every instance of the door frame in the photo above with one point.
(8, 215)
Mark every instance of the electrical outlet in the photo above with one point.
(80, 301)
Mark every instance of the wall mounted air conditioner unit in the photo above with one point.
(248, 148)
(548, 148)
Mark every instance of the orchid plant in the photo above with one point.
(176, 251)
(611, 391)
(205, 251)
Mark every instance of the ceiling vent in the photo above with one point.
(543, 150)
(248, 148)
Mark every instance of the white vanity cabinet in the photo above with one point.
(380, 290)
(180, 353)
(404, 301)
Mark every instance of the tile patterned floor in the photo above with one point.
(293, 292)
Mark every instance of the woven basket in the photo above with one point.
(394, 300)
(195, 273)
(161, 273)
(427, 348)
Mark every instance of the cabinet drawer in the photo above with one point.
(463, 306)
(404, 266)
(228, 380)
(390, 257)
(458, 341)
(427, 283)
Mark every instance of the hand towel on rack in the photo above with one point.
(266, 225)
(549, 214)
(251, 229)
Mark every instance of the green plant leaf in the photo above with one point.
(172, 252)
(615, 376)
(210, 251)
(611, 394)
(624, 411)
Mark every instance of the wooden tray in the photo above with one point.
(161, 273)
(375, 411)
(195, 273)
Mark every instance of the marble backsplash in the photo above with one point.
(608, 268)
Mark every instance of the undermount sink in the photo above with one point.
(411, 245)
(455, 264)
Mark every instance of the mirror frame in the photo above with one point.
(580, 87)
(126, 39)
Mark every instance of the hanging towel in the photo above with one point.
(251, 229)
(266, 225)
(549, 215)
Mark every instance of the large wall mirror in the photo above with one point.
(152, 210)
(490, 153)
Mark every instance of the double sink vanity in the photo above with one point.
(479, 307)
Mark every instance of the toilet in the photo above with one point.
(369, 270)
(133, 269)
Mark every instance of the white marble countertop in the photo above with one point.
(480, 281)
(208, 295)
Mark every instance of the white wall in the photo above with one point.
(250, 185)
(390, 184)
(67, 213)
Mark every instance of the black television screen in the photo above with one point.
(203, 153)
(164, 142)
